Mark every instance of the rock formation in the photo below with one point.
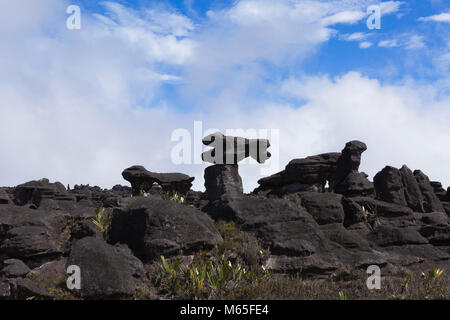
(232, 150)
(142, 180)
(399, 221)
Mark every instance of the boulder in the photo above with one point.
(324, 207)
(143, 180)
(355, 184)
(4, 197)
(106, 271)
(13, 268)
(347, 180)
(222, 183)
(152, 227)
(389, 186)
(85, 228)
(24, 288)
(413, 194)
(31, 235)
(349, 160)
(310, 170)
(353, 212)
(431, 201)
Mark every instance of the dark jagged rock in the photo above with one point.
(438, 235)
(313, 170)
(413, 195)
(350, 159)
(389, 186)
(223, 184)
(308, 174)
(143, 180)
(85, 228)
(152, 227)
(431, 201)
(382, 208)
(305, 225)
(347, 180)
(5, 290)
(13, 268)
(24, 288)
(31, 235)
(387, 235)
(439, 191)
(106, 271)
(355, 184)
(4, 197)
(435, 218)
(231, 150)
(34, 192)
(324, 207)
(353, 212)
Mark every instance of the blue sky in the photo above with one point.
(79, 106)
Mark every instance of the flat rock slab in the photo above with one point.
(142, 180)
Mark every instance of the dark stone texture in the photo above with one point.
(14, 268)
(324, 207)
(106, 271)
(232, 150)
(431, 201)
(143, 180)
(153, 227)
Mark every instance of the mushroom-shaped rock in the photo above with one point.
(143, 180)
(231, 150)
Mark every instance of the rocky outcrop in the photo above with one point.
(307, 174)
(34, 192)
(106, 271)
(142, 180)
(31, 235)
(152, 227)
(232, 150)
(348, 180)
(430, 200)
(400, 221)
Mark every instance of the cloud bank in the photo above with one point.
(81, 106)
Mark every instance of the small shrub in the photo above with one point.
(175, 196)
(102, 219)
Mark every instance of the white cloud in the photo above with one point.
(389, 7)
(356, 36)
(365, 44)
(406, 40)
(442, 17)
(388, 43)
(80, 106)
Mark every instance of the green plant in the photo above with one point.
(102, 219)
(343, 296)
(175, 196)
(433, 273)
